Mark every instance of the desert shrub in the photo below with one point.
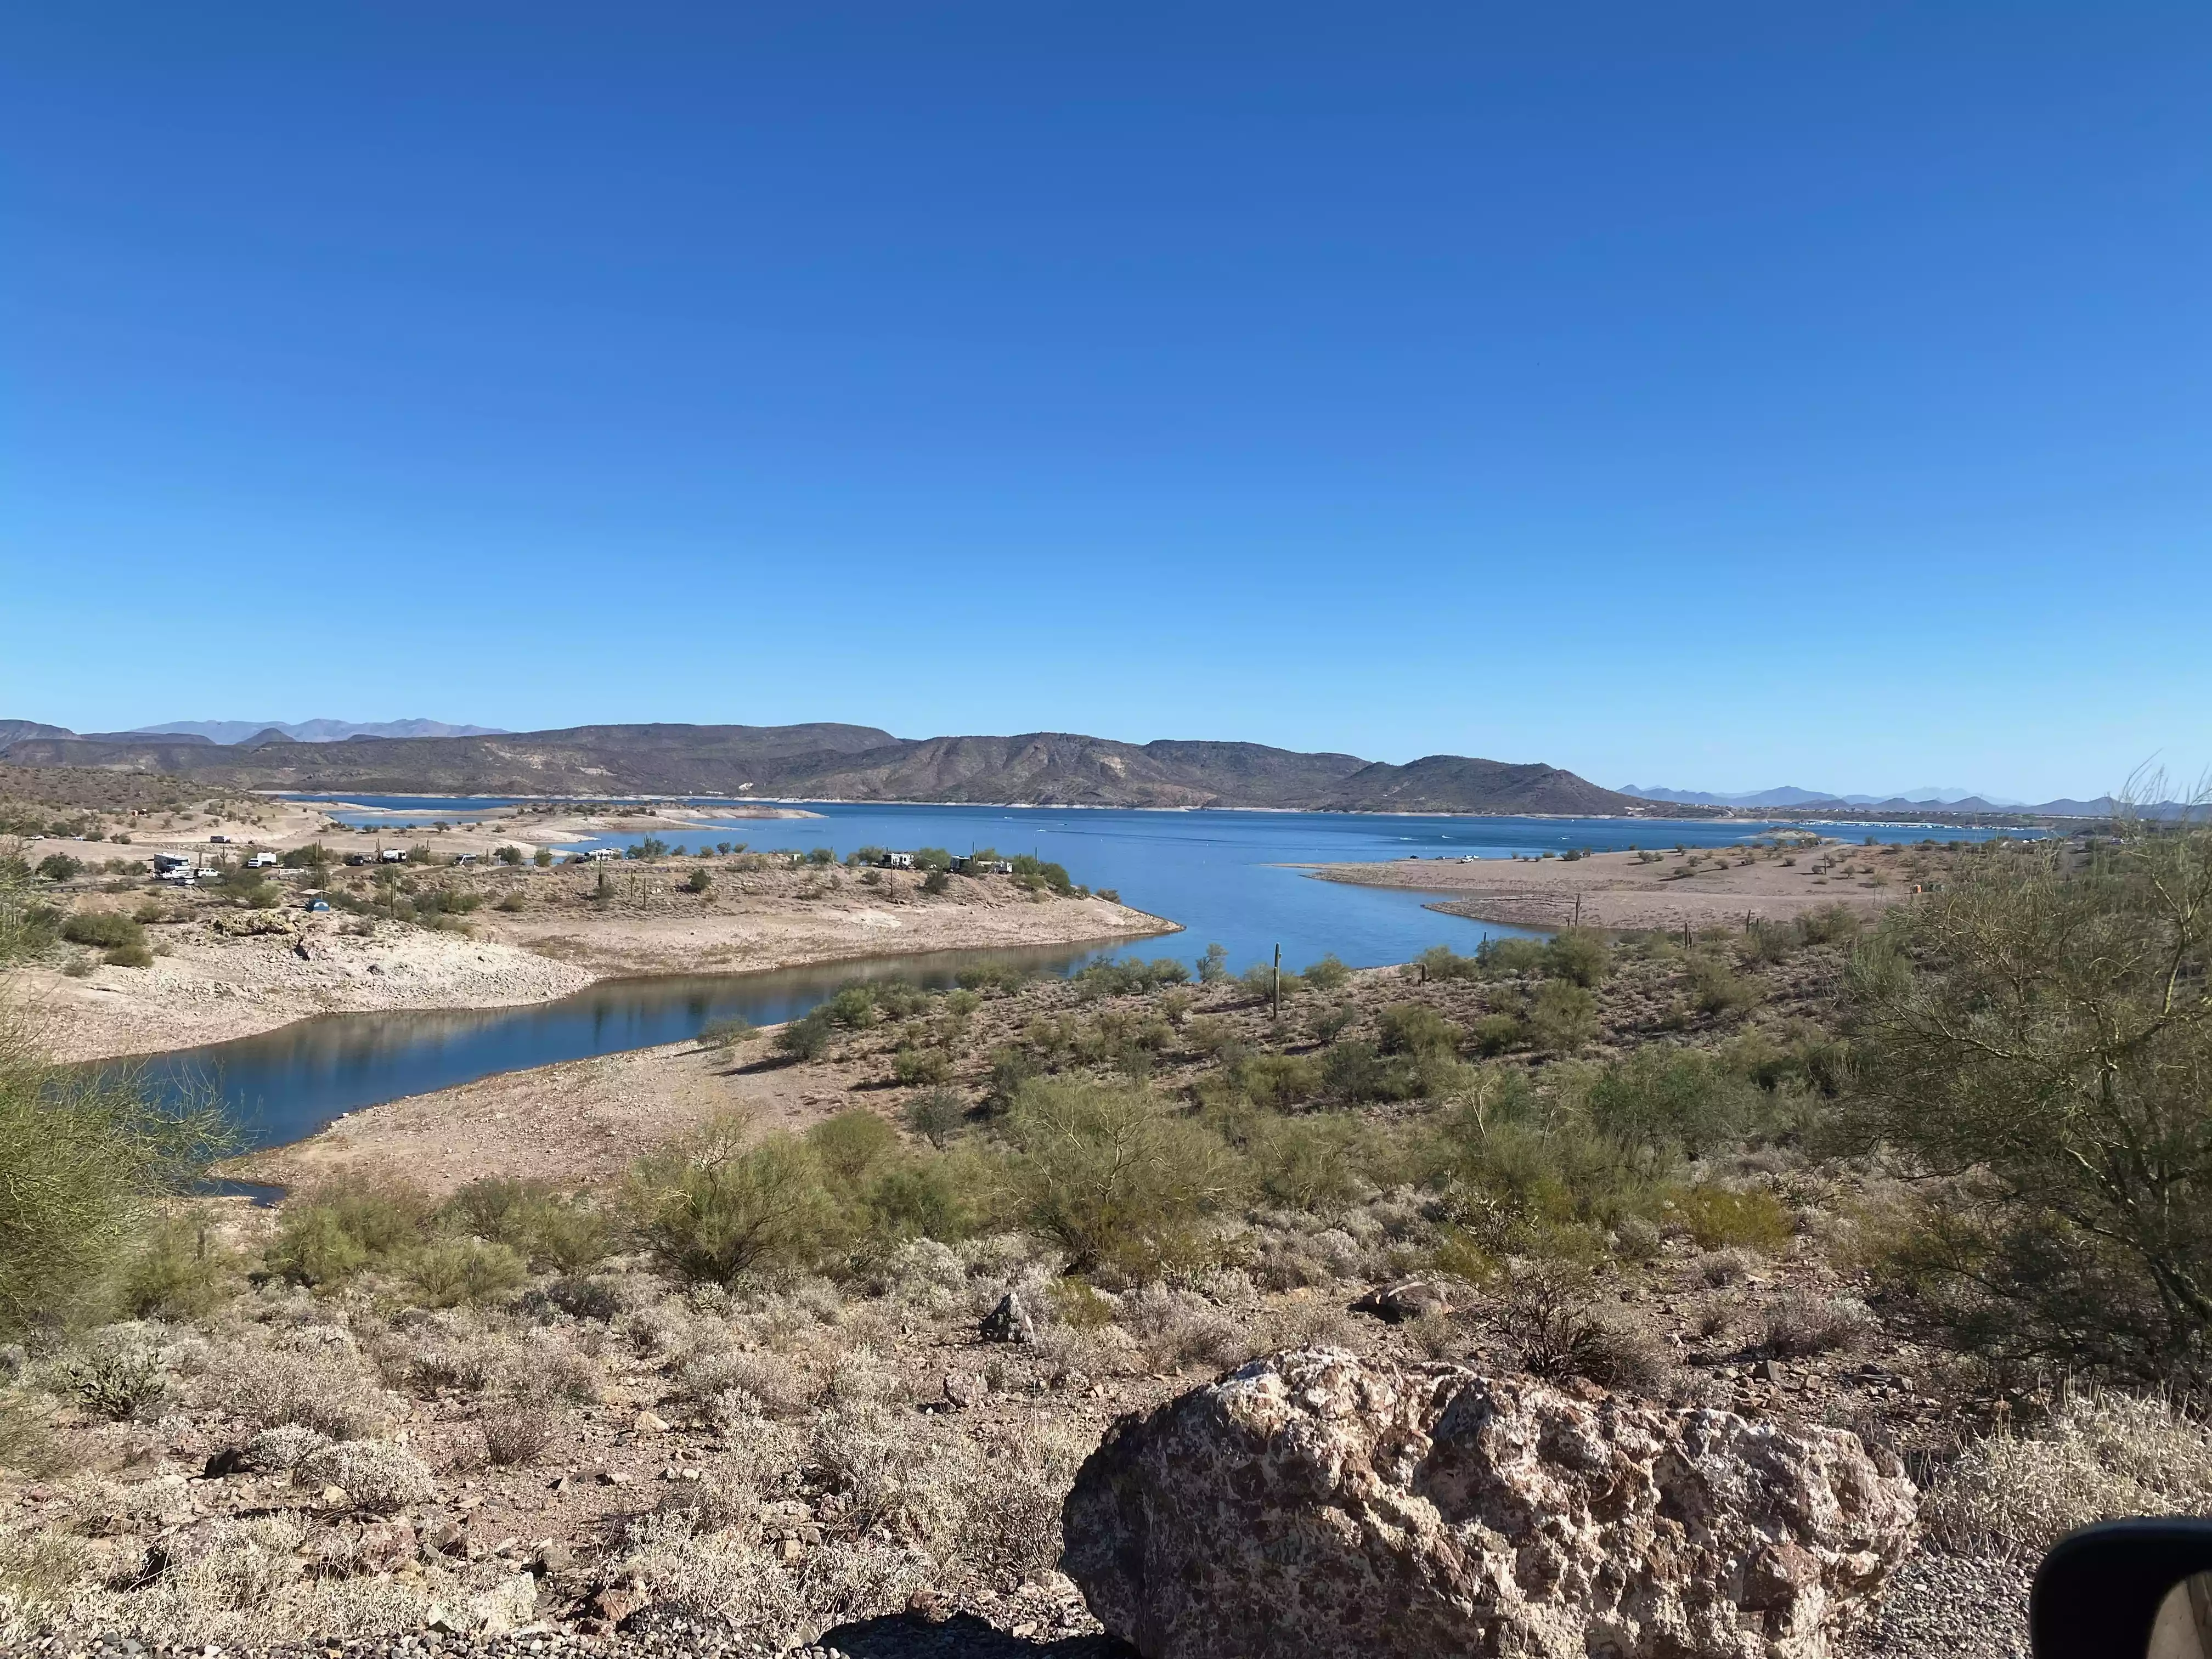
(1441, 961)
(1510, 956)
(545, 1227)
(806, 1039)
(516, 1435)
(937, 881)
(1721, 1218)
(727, 1033)
(110, 929)
(852, 1144)
(1311, 1163)
(60, 866)
(2045, 1027)
(128, 956)
(378, 1477)
(1672, 1101)
(853, 1007)
(1830, 924)
(919, 1198)
(713, 1207)
(1279, 1079)
(1545, 1313)
(1717, 988)
(1579, 955)
(1562, 1017)
(1496, 1034)
(90, 1159)
(1260, 982)
(699, 881)
(937, 1115)
(2101, 1456)
(1115, 1176)
(327, 1236)
(315, 1385)
(1799, 1324)
(1328, 1024)
(448, 1272)
(1414, 1028)
(1174, 1329)
(1327, 974)
(916, 1067)
(118, 1373)
(1128, 976)
(173, 1270)
(28, 1444)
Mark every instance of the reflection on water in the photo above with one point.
(290, 1082)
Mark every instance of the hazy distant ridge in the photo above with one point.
(849, 763)
(315, 730)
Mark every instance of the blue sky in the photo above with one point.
(1713, 395)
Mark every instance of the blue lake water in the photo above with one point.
(1222, 875)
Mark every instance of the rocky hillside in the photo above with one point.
(858, 762)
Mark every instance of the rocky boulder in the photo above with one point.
(1317, 1504)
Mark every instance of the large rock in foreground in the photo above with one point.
(1317, 1504)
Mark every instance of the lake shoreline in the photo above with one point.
(212, 987)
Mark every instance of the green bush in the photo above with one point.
(177, 1271)
(128, 956)
(852, 1144)
(699, 880)
(1414, 1028)
(913, 1067)
(108, 928)
(59, 867)
(1441, 961)
(937, 881)
(1213, 966)
(1117, 1178)
(853, 1007)
(732, 1033)
(1673, 1100)
(1513, 956)
(1720, 1216)
(446, 1272)
(713, 1208)
(1495, 1034)
(937, 1115)
(1330, 974)
(326, 1237)
(1716, 988)
(507, 855)
(1279, 1079)
(547, 1228)
(1579, 955)
(86, 1161)
(806, 1039)
(1562, 1017)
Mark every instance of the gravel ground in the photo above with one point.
(1940, 1606)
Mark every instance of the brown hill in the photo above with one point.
(859, 762)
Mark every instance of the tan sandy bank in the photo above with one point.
(579, 1121)
(212, 985)
(1704, 888)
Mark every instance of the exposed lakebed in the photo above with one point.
(1225, 876)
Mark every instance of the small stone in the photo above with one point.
(1010, 1321)
(649, 1422)
(793, 1549)
(614, 1476)
(965, 1388)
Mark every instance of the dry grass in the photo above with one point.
(2101, 1456)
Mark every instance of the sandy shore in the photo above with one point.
(580, 1120)
(1621, 891)
(211, 984)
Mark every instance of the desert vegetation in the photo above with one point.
(1830, 1170)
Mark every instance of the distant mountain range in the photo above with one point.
(317, 731)
(1917, 802)
(1790, 795)
(840, 763)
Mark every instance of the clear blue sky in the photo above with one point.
(1713, 395)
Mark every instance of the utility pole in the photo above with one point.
(1279, 983)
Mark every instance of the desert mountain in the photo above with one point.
(855, 762)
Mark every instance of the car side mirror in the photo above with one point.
(2126, 1589)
